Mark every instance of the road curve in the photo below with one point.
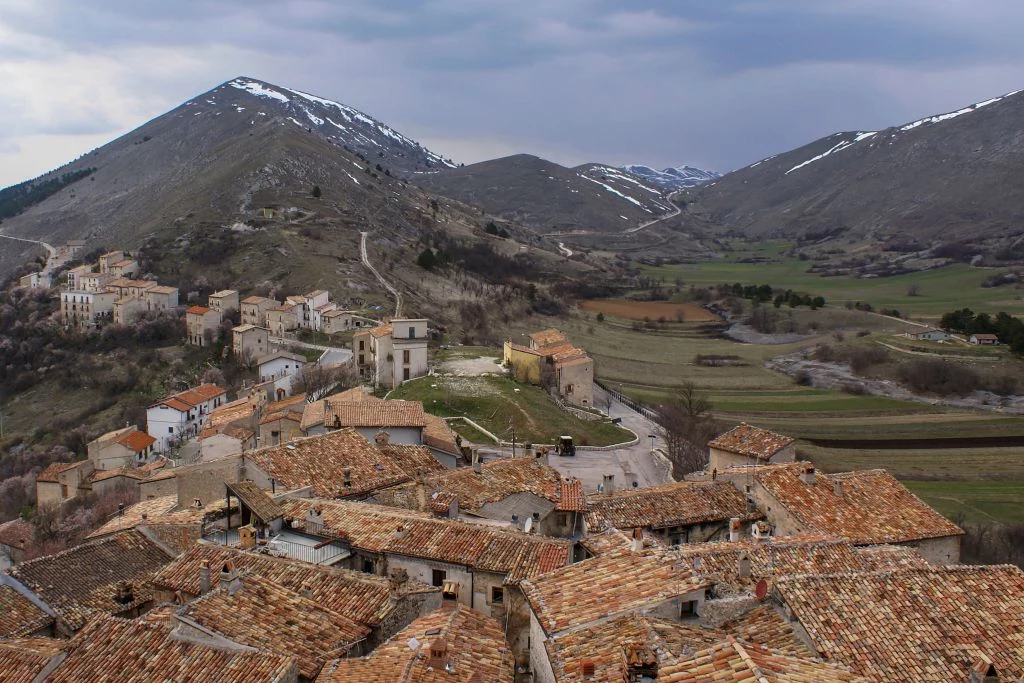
(387, 285)
(678, 210)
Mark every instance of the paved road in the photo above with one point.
(387, 285)
(334, 355)
(51, 253)
(628, 464)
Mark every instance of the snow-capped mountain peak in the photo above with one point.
(676, 178)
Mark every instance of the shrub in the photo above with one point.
(939, 377)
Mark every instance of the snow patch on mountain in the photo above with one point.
(671, 179)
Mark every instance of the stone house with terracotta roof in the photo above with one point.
(223, 301)
(749, 445)
(392, 353)
(253, 310)
(283, 319)
(249, 342)
(62, 481)
(182, 415)
(125, 447)
(161, 298)
(83, 309)
(202, 325)
(127, 310)
(865, 507)
(281, 421)
(572, 370)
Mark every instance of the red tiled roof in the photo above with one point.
(136, 441)
(675, 504)
(751, 441)
(382, 414)
(19, 616)
(52, 470)
(15, 533)
(381, 330)
(571, 497)
(136, 652)
(925, 625)
(437, 434)
(475, 648)
(22, 660)
(736, 661)
(197, 310)
(867, 507)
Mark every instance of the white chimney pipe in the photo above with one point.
(609, 483)
(638, 540)
(734, 529)
(204, 577)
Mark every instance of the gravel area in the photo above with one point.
(471, 367)
(745, 333)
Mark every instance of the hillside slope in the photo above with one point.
(948, 177)
(548, 197)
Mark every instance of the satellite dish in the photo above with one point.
(529, 525)
(761, 590)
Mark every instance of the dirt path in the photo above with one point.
(937, 355)
(678, 210)
(387, 285)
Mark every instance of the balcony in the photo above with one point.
(294, 546)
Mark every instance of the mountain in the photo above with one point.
(671, 179)
(943, 178)
(548, 197)
(220, 158)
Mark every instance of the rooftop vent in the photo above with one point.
(807, 474)
(588, 668)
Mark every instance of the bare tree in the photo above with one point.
(686, 424)
(318, 381)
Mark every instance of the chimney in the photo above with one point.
(743, 566)
(641, 663)
(609, 483)
(306, 591)
(837, 488)
(438, 653)
(125, 593)
(229, 578)
(396, 582)
(204, 577)
(382, 439)
(588, 668)
(638, 540)
(714, 474)
(807, 474)
(346, 476)
(983, 671)
(401, 532)
(515, 520)
(476, 461)
(314, 519)
(734, 529)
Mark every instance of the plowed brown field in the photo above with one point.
(639, 310)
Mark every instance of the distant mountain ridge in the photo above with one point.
(678, 178)
(938, 179)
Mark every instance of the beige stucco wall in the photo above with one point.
(576, 383)
(940, 551)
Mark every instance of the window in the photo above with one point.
(368, 566)
(405, 373)
(412, 333)
(688, 609)
(63, 490)
(170, 430)
(362, 345)
(438, 577)
(497, 595)
(406, 355)
(362, 359)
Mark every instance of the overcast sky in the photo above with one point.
(712, 83)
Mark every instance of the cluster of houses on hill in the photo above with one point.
(363, 552)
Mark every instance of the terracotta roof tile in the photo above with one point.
(733, 660)
(313, 414)
(16, 533)
(197, 310)
(22, 660)
(257, 500)
(50, 473)
(258, 300)
(362, 597)
(321, 461)
(381, 330)
(160, 511)
(190, 398)
(866, 507)
(136, 441)
(546, 337)
(765, 626)
(675, 504)
(82, 581)
(916, 624)
(751, 441)
(474, 649)
(616, 582)
(437, 434)
(19, 616)
(137, 652)
(571, 497)
(382, 414)
(374, 528)
(269, 617)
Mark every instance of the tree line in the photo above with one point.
(1009, 329)
(17, 198)
(764, 293)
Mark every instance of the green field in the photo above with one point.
(503, 406)
(975, 501)
(941, 290)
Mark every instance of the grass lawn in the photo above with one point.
(469, 432)
(977, 501)
(500, 405)
(941, 290)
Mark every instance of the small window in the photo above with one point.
(497, 595)
(412, 333)
(362, 358)
(63, 490)
(688, 609)
(406, 356)
(368, 566)
(362, 345)
(405, 373)
(438, 577)
(170, 430)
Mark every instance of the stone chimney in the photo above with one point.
(638, 540)
(438, 653)
(588, 668)
(743, 565)
(306, 591)
(734, 529)
(837, 488)
(314, 519)
(609, 483)
(397, 580)
(807, 474)
(124, 594)
(401, 532)
(204, 577)
(382, 439)
(229, 578)
(476, 462)
(641, 663)
(346, 476)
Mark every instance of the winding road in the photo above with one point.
(678, 210)
(387, 285)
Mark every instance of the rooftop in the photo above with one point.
(259, 300)
(384, 414)
(16, 533)
(193, 397)
(269, 617)
(223, 293)
(471, 644)
(675, 504)
(437, 434)
(313, 413)
(19, 616)
(751, 441)
(280, 354)
(920, 624)
(256, 499)
(866, 507)
(322, 461)
(162, 289)
(197, 310)
(381, 330)
(159, 512)
(616, 582)
(49, 474)
(734, 660)
(23, 660)
(136, 441)
(362, 597)
(142, 653)
(547, 337)
(376, 528)
(83, 581)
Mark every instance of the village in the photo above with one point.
(308, 527)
